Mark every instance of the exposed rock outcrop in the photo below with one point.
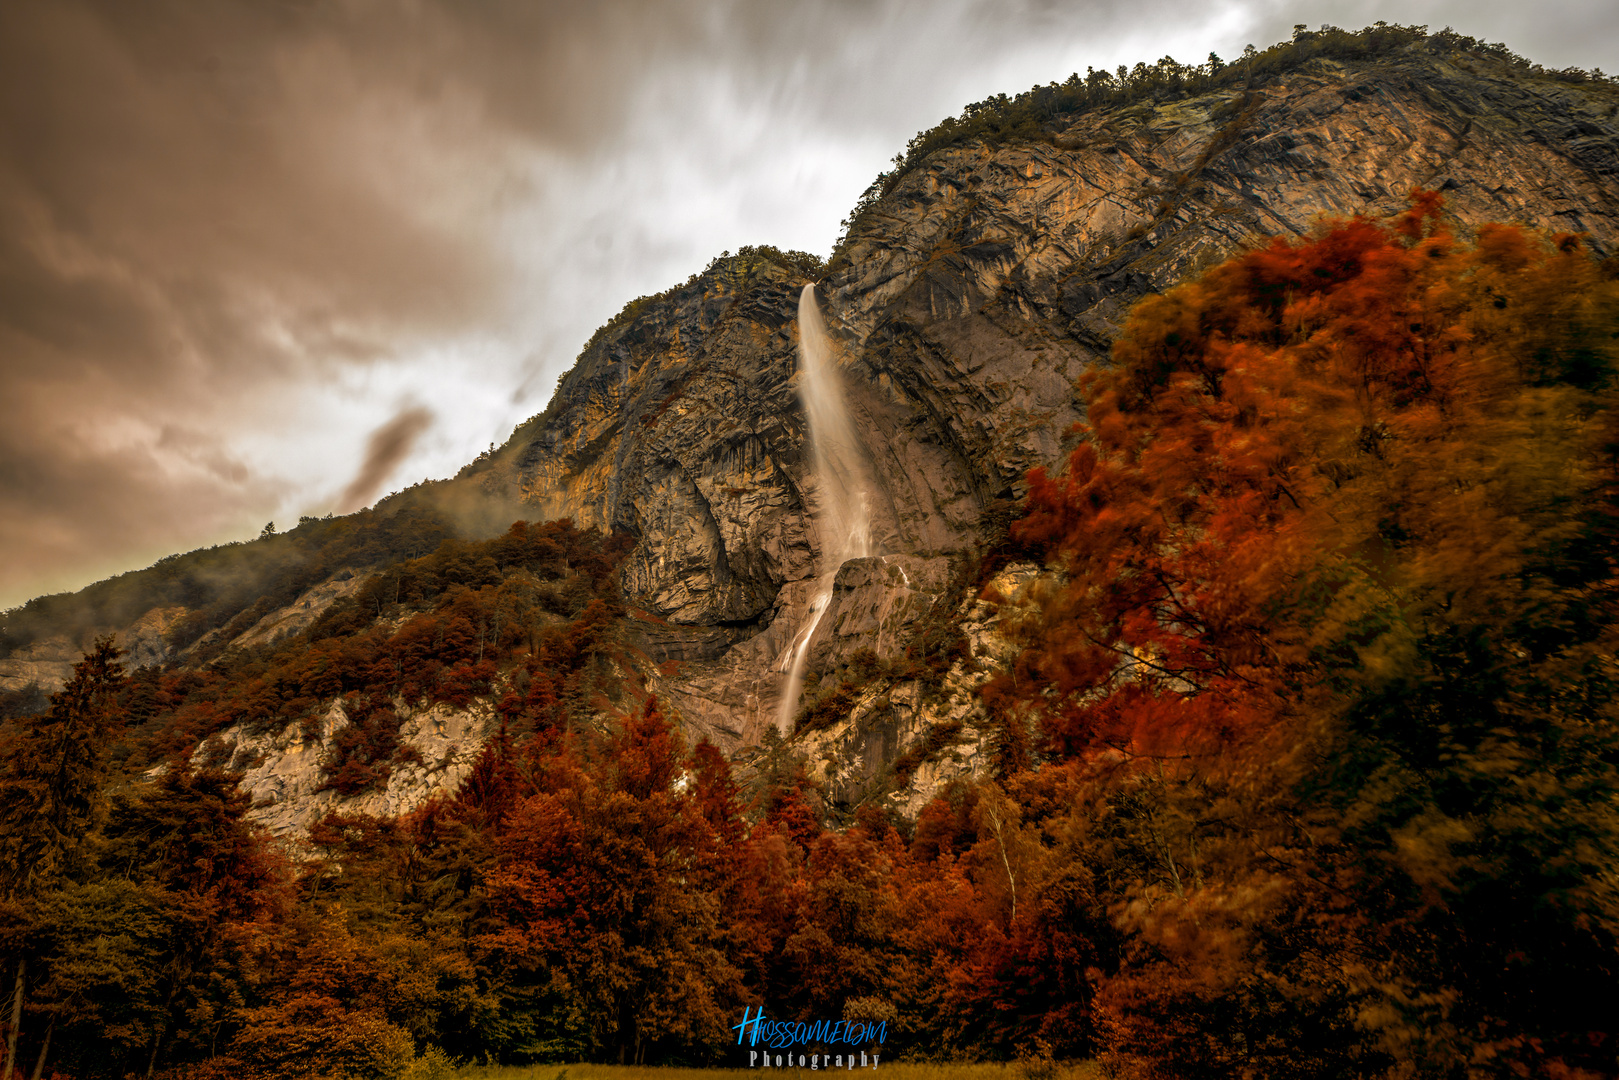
(46, 664)
(49, 663)
(283, 770)
(934, 730)
(303, 611)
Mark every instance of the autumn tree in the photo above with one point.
(605, 923)
(327, 1011)
(212, 877)
(1330, 636)
(410, 895)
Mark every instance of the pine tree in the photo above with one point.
(51, 793)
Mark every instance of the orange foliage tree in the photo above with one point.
(1329, 640)
(603, 911)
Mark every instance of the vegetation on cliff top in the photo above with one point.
(1040, 114)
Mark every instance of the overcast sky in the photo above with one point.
(280, 257)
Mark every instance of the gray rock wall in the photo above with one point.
(975, 295)
(283, 769)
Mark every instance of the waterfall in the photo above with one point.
(842, 519)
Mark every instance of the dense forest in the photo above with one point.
(1306, 767)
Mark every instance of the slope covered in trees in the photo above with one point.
(1307, 763)
(233, 582)
(1331, 654)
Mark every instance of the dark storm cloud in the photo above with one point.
(388, 447)
(228, 229)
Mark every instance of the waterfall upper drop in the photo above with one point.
(841, 486)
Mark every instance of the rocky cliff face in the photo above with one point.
(47, 664)
(966, 304)
(972, 297)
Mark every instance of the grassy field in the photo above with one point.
(891, 1071)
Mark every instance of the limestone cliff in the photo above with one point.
(967, 303)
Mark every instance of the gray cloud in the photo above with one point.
(233, 235)
(387, 448)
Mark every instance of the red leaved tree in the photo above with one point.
(1329, 632)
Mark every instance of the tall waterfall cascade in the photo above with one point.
(841, 486)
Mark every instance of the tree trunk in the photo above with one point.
(44, 1048)
(628, 1035)
(16, 1019)
(162, 1029)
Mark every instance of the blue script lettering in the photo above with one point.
(741, 1029)
(757, 1030)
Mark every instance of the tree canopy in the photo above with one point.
(1330, 633)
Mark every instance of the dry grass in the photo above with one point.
(896, 1070)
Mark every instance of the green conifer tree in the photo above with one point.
(50, 793)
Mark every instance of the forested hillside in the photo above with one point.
(1305, 764)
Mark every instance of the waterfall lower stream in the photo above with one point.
(841, 516)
